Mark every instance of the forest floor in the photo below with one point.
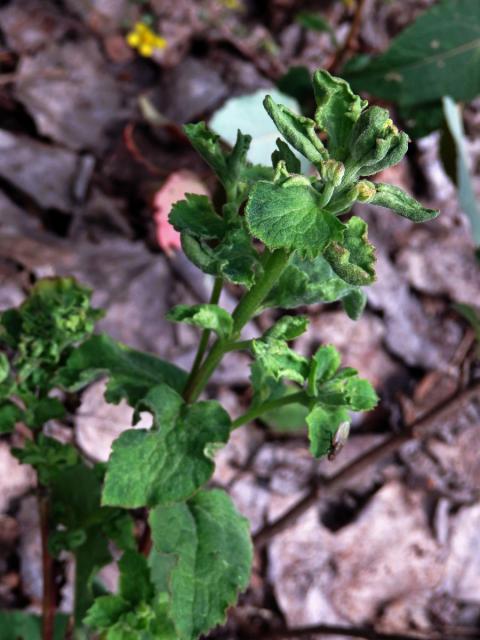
(92, 156)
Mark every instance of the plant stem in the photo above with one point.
(48, 601)
(203, 344)
(255, 412)
(241, 345)
(246, 308)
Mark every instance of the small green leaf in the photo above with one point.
(288, 216)
(322, 425)
(42, 410)
(210, 544)
(170, 462)
(288, 328)
(312, 281)
(105, 612)
(299, 131)
(207, 144)
(323, 366)
(197, 216)
(360, 394)
(131, 373)
(248, 114)
(353, 259)
(4, 368)
(279, 361)
(338, 108)
(135, 584)
(394, 198)
(283, 152)
(206, 316)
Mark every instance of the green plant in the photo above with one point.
(279, 236)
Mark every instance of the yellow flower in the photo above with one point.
(234, 5)
(145, 40)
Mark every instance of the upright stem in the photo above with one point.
(246, 308)
(259, 410)
(48, 601)
(203, 344)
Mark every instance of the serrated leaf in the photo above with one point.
(211, 545)
(288, 216)
(206, 316)
(361, 395)
(288, 328)
(354, 258)
(323, 423)
(131, 373)
(312, 281)
(279, 361)
(323, 366)
(338, 108)
(233, 258)
(197, 216)
(170, 462)
(299, 131)
(436, 56)
(207, 144)
(394, 198)
(463, 178)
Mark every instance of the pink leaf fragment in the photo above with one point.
(173, 189)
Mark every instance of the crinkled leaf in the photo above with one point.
(299, 131)
(48, 456)
(394, 198)
(347, 390)
(338, 108)
(288, 216)
(170, 462)
(310, 281)
(248, 113)
(131, 373)
(211, 546)
(437, 55)
(233, 258)
(56, 315)
(279, 361)
(354, 258)
(197, 216)
(323, 423)
(206, 316)
(323, 366)
(288, 328)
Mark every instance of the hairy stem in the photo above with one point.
(259, 410)
(48, 600)
(246, 308)
(203, 344)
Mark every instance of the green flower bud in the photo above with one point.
(332, 172)
(366, 191)
(376, 143)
